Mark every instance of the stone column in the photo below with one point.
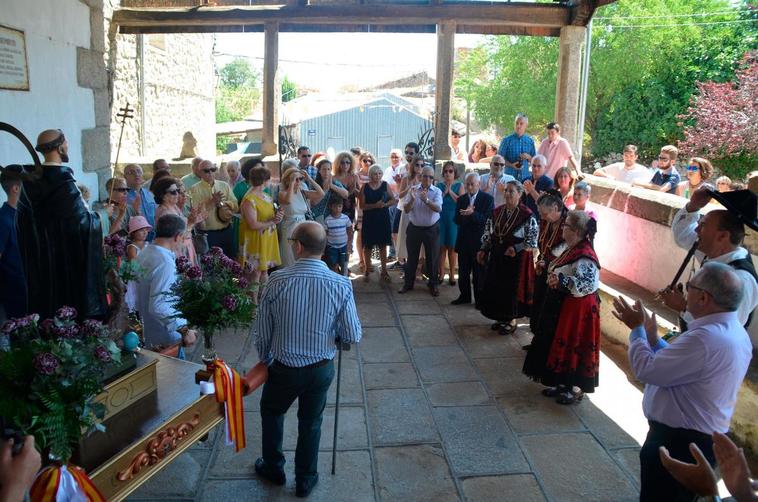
(271, 90)
(443, 89)
(567, 88)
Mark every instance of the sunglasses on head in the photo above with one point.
(211, 170)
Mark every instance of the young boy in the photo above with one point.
(339, 232)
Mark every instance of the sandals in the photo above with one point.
(386, 276)
(553, 391)
(507, 329)
(569, 397)
(496, 326)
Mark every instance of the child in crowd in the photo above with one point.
(138, 230)
(582, 191)
(339, 232)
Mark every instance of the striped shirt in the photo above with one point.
(336, 230)
(301, 312)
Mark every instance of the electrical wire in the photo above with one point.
(614, 26)
(700, 14)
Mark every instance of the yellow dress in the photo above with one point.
(260, 248)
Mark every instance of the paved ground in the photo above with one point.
(433, 407)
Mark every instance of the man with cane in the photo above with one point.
(303, 312)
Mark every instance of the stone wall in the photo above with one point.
(174, 76)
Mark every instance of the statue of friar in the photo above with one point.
(60, 240)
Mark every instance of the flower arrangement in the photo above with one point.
(114, 252)
(213, 296)
(50, 372)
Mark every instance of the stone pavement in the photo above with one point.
(433, 407)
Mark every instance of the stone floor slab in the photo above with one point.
(574, 467)
(418, 473)
(504, 378)
(443, 364)
(603, 427)
(178, 479)
(370, 297)
(390, 376)
(418, 307)
(629, 458)
(400, 416)
(351, 434)
(428, 331)
(228, 464)
(465, 315)
(351, 388)
(457, 394)
(478, 441)
(536, 413)
(521, 487)
(376, 314)
(481, 342)
(383, 345)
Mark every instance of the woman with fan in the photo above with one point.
(509, 236)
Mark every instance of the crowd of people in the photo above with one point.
(517, 241)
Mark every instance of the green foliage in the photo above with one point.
(50, 374)
(289, 89)
(641, 77)
(237, 92)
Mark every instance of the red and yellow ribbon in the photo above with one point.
(228, 386)
(48, 482)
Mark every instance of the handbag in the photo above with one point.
(308, 214)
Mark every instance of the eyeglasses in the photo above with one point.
(211, 170)
(172, 192)
(122, 190)
(693, 167)
(663, 158)
(498, 164)
(689, 285)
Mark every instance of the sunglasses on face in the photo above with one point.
(298, 179)
(498, 164)
(211, 170)
(305, 155)
(367, 161)
(122, 190)
(409, 154)
(420, 164)
(693, 168)
(449, 171)
(663, 158)
(172, 192)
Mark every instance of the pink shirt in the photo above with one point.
(557, 154)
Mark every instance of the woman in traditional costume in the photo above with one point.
(566, 354)
(550, 246)
(509, 236)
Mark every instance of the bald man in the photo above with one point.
(60, 240)
(303, 310)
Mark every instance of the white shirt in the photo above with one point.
(421, 214)
(390, 173)
(495, 190)
(619, 172)
(156, 308)
(683, 226)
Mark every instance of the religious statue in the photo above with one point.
(189, 146)
(60, 240)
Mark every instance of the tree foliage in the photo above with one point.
(643, 70)
(289, 90)
(722, 121)
(237, 92)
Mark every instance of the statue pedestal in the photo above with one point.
(129, 386)
(141, 439)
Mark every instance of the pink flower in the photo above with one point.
(217, 251)
(229, 302)
(66, 313)
(193, 272)
(244, 283)
(182, 264)
(103, 354)
(46, 363)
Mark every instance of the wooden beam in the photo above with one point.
(443, 90)
(272, 90)
(488, 15)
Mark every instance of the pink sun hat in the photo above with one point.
(138, 223)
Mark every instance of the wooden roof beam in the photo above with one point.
(205, 19)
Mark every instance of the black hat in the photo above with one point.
(741, 203)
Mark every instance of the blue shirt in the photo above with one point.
(147, 207)
(511, 147)
(12, 280)
(336, 230)
(660, 179)
(301, 312)
(543, 184)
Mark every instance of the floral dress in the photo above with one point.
(259, 248)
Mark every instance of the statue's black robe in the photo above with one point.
(61, 244)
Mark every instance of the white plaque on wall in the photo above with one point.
(14, 70)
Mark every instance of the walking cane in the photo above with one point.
(340, 346)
